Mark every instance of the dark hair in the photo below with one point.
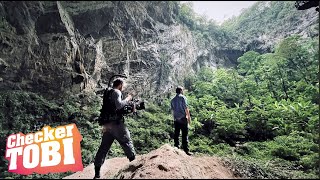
(179, 90)
(117, 82)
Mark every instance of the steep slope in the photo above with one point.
(261, 26)
(53, 48)
(58, 48)
(163, 163)
(62, 48)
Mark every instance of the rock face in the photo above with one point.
(60, 48)
(265, 26)
(163, 163)
(57, 47)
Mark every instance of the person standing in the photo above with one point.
(113, 126)
(181, 115)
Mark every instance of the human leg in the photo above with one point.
(185, 140)
(107, 140)
(176, 133)
(122, 135)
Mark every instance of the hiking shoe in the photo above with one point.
(97, 172)
(132, 158)
(189, 153)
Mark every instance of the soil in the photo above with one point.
(167, 162)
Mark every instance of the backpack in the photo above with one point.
(108, 111)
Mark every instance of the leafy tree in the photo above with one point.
(248, 63)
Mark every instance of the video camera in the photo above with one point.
(133, 105)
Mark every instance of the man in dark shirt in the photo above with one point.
(181, 115)
(115, 129)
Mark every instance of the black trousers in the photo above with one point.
(119, 132)
(184, 128)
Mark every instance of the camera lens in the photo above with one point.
(141, 106)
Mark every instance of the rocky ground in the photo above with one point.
(163, 163)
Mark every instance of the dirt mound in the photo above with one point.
(163, 163)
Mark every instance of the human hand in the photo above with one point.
(189, 119)
(129, 97)
(189, 126)
(104, 129)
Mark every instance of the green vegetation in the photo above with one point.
(262, 116)
(264, 20)
(28, 112)
(204, 30)
(267, 18)
(265, 111)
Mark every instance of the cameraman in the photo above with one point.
(114, 127)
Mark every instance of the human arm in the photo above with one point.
(185, 104)
(188, 115)
(119, 102)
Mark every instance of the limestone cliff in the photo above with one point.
(60, 48)
(266, 23)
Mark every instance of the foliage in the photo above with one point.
(27, 112)
(207, 32)
(263, 115)
(267, 109)
(259, 116)
(264, 18)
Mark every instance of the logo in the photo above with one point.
(50, 150)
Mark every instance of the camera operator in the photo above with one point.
(113, 125)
